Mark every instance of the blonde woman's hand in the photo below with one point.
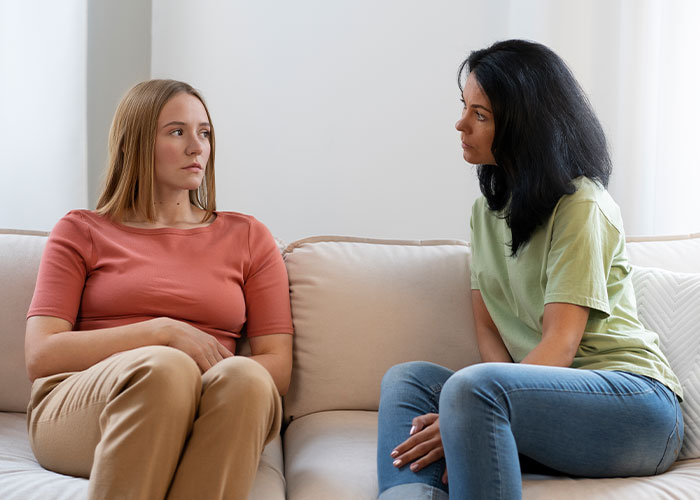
(203, 348)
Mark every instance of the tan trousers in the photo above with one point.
(146, 424)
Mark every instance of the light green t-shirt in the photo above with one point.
(577, 256)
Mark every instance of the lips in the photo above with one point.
(194, 167)
(466, 146)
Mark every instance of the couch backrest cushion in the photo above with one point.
(669, 304)
(674, 253)
(20, 253)
(361, 306)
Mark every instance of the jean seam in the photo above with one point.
(572, 391)
(435, 402)
(495, 449)
(673, 433)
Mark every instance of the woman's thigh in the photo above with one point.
(65, 410)
(581, 422)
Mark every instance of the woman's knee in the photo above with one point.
(242, 377)
(472, 383)
(166, 375)
(412, 374)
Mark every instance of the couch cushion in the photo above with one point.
(675, 253)
(362, 306)
(333, 455)
(22, 478)
(681, 481)
(20, 253)
(669, 304)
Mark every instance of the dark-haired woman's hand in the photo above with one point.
(423, 447)
(203, 348)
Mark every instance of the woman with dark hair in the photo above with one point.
(571, 381)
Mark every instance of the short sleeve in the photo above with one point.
(63, 270)
(266, 286)
(580, 256)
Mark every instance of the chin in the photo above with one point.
(471, 159)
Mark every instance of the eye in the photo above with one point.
(464, 104)
(177, 131)
(205, 133)
(479, 116)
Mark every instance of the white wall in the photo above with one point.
(332, 117)
(118, 57)
(42, 111)
(337, 117)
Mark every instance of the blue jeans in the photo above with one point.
(589, 423)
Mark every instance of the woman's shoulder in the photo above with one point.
(589, 196)
(480, 206)
(237, 220)
(79, 218)
(483, 215)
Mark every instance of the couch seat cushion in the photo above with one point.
(332, 454)
(22, 478)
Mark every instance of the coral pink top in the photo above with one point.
(96, 273)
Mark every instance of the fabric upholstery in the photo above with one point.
(20, 253)
(673, 253)
(361, 306)
(669, 304)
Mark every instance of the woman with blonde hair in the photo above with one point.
(137, 308)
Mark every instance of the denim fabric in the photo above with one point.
(589, 423)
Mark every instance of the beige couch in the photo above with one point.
(359, 307)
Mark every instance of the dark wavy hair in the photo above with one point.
(546, 133)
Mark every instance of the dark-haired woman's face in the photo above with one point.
(476, 126)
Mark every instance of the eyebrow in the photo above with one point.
(202, 124)
(479, 106)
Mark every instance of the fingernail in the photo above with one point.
(394, 454)
(414, 467)
(397, 463)
(413, 429)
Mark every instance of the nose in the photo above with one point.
(195, 146)
(461, 124)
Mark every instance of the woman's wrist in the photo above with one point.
(160, 333)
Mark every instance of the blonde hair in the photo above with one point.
(128, 187)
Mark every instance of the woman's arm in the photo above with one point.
(562, 329)
(51, 346)
(491, 346)
(274, 352)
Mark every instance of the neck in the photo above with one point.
(171, 211)
(176, 213)
(174, 207)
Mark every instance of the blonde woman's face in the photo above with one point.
(182, 145)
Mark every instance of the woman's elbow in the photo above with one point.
(33, 365)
